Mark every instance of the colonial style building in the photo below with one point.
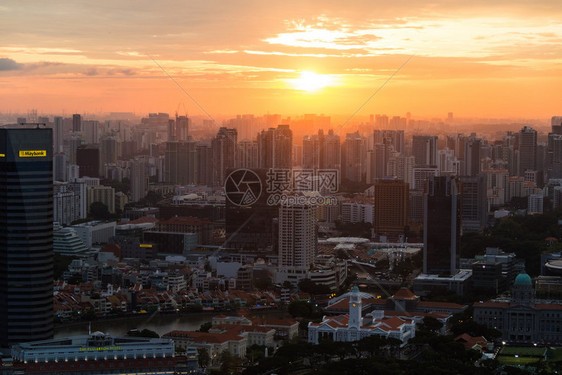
(522, 318)
(354, 326)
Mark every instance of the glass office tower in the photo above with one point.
(26, 235)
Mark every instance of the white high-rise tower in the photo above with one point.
(297, 242)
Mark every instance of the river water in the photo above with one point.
(159, 323)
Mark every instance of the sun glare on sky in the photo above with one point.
(491, 59)
(311, 82)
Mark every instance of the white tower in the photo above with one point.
(354, 308)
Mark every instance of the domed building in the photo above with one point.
(522, 318)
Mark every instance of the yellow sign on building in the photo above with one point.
(32, 153)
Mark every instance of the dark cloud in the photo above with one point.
(125, 72)
(9, 64)
(91, 72)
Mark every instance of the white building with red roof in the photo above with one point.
(354, 326)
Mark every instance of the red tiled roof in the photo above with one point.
(404, 293)
(274, 322)
(185, 220)
(434, 314)
(343, 304)
(394, 322)
(547, 306)
(446, 305)
(142, 220)
(469, 341)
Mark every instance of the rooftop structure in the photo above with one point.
(96, 346)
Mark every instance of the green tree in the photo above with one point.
(431, 324)
(300, 309)
(229, 363)
(60, 264)
(309, 286)
(99, 211)
(151, 199)
(205, 327)
(371, 344)
(203, 357)
(255, 353)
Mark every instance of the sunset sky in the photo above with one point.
(291, 57)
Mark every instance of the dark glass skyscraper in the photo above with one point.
(26, 238)
(88, 159)
(442, 223)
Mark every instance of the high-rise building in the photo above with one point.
(224, 147)
(446, 161)
(204, 156)
(321, 151)
(554, 150)
(139, 180)
(180, 162)
(26, 239)
(58, 136)
(354, 155)
(472, 157)
(378, 161)
(171, 131)
(556, 122)
(401, 166)
(108, 151)
(102, 194)
(182, 128)
(332, 156)
(297, 242)
(247, 154)
(66, 203)
(88, 159)
(474, 202)
(391, 137)
(312, 150)
(73, 143)
(391, 207)
(421, 176)
(424, 149)
(527, 150)
(442, 224)
(59, 167)
(275, 147)
(76, 123)
(90, 130)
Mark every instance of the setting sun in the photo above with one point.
(310, 81)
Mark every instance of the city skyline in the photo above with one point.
(500, 60)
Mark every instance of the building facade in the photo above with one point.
(522, 318)
(26, 239)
